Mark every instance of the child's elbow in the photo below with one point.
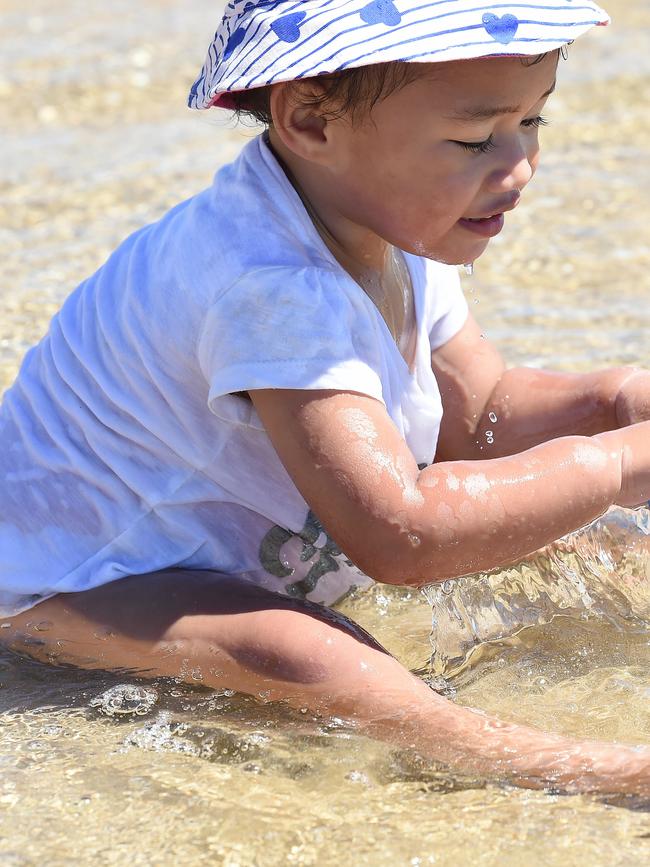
(406, 559)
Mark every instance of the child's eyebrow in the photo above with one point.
(483, 112)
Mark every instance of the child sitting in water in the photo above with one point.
(284, 369)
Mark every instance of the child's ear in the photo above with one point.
(300, 124)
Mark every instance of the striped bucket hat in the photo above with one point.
(260, 42)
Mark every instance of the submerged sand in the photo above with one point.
(96, 141)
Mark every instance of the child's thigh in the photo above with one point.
(178, 623)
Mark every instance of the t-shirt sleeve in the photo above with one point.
(446, 305)
(297, 328)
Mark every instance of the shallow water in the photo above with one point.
(95, 142)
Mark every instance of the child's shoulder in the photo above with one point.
(249, 219)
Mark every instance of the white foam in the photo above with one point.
(476, 485)
(590, 456)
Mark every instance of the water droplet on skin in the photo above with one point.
(414, 540)
(170, 649)
(493, 417)
(43, 626)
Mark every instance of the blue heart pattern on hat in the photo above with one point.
(502, 29)
(381, 12)
(236, 38)
(287, 28)
(278, 40)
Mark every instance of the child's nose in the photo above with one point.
(515, 167)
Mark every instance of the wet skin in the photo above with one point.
(459, 142)
(414, 174)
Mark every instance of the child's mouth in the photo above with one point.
(486, 227)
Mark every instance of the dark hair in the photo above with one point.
(352, 92)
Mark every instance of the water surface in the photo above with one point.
(96, 141)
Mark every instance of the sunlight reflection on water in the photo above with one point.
(96, 141)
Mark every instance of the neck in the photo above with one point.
(376, 265)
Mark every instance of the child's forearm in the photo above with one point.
(534, 406)
(474, 516)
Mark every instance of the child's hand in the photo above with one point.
(633, 445)
(633, 399)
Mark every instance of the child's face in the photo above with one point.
(456, 145)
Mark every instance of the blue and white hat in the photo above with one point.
(260, 42)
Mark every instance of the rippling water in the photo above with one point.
(98, 769)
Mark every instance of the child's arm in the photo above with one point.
(530, 406)
(405, 526)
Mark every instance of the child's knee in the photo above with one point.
(290, 645)
(295, 647)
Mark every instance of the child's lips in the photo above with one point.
(486, 227)
(492, 223)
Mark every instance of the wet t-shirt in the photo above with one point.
(125, 444)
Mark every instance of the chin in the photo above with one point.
(450, 254)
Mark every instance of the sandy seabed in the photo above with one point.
(96, 142)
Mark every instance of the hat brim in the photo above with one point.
(270, 42)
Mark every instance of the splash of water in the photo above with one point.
(601, 571)
(125, 700)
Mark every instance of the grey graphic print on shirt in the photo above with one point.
(312, 541)
(315, 543)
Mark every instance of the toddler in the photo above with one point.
(277, 393)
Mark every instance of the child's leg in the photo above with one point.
(231, 634)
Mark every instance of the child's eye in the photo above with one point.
(482, 147)
(477, 147)
(534, 122)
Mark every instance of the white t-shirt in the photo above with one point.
(123, 447)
